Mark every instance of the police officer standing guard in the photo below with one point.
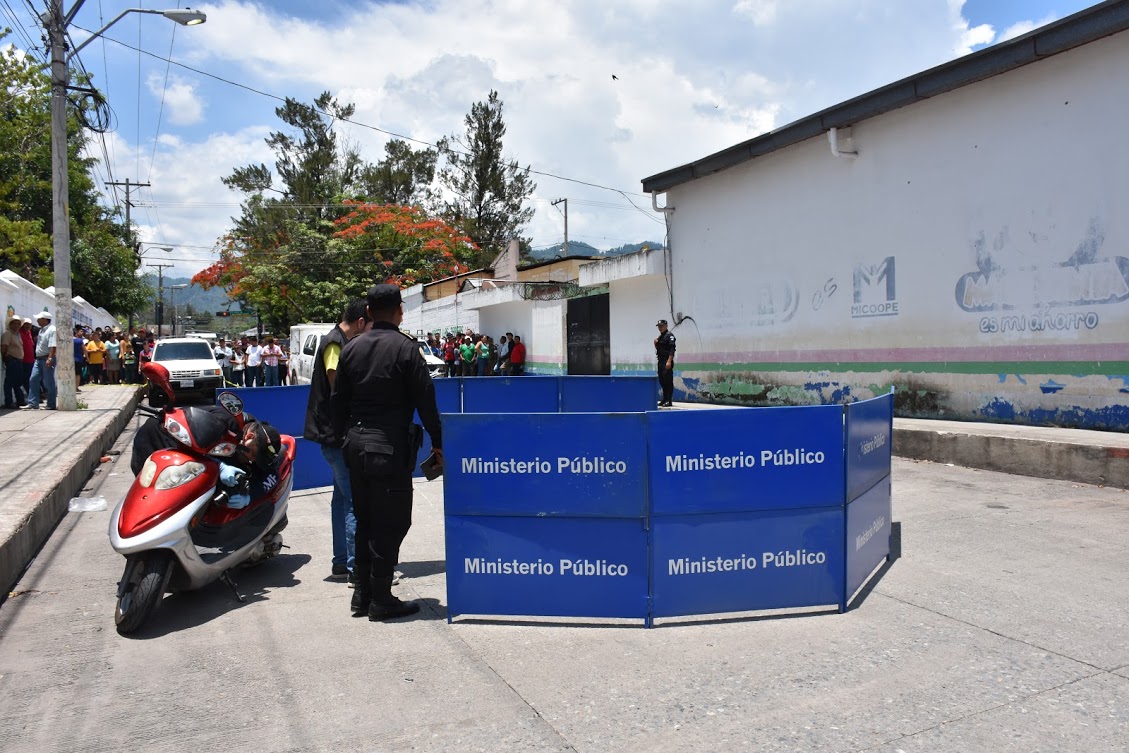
(664, 351)
(381, 381)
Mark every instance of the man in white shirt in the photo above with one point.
(43, 372)
(223, 355)
(253, 377)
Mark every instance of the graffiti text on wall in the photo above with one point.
(875, 290)
(1098, 282)
(1042, 322)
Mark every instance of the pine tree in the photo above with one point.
(486, 191)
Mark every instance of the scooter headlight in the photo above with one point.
(177, 431)
(148, 471)
(178, 475)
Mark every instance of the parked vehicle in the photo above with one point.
(192, 368)
(435, 364)
(304, 339)
(174, 526)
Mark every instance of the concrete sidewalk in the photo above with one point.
(46, 457)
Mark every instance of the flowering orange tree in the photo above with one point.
(294, 273)
(411, 246)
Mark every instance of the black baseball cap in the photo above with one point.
(384, 297)
(661, 322)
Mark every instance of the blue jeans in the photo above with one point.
(42, 380)
(271, 375)
(341, 519)
(253, 376)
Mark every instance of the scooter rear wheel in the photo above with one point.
(143, 586)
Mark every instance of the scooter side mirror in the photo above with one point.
(159, 375)
(231, 403)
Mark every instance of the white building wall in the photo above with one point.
(546, 343)
(635, 305)
(1007, 196)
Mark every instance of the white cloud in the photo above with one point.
(1022, 27)
(690, 80)
(182, 105)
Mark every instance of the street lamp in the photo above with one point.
(172, 300)
(55, 21)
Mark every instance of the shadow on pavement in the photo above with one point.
(422, 569)
(189, 609)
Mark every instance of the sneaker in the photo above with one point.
(339, 572)
(352, 581)
(29, 406)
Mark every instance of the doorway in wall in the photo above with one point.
(589, 336)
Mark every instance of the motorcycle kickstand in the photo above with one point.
(230, 582)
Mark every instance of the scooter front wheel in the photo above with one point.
(143, 586)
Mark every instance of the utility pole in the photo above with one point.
(160, 293)
(128, 203)
(55, 23)
(565, 202)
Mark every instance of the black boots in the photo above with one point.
(382, 605)
(362, 597)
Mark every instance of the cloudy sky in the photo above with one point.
(690, 78)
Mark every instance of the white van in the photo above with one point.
(304, 339)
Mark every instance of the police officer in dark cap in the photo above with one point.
(382, 380)
(664, 351)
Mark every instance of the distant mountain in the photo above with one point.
(201, 300)
(580, 248)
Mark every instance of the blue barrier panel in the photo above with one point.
(448, 395)
(868, 533)
(571, 567)
(745, 459)
(523, 394)
(870, 434)
(310, 469)
(283, 407)
(745, 561)
(448, 398)
(548, 464)
(607, 394)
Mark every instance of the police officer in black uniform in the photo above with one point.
(664, 351)
(382, 380)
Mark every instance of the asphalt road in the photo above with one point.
(1003, 626)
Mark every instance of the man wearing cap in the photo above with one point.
(382, 380)
(319, 429)
(664, 351)
(12, 351)
(43, 372)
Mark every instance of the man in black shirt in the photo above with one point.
(664, 351)
(382, 380)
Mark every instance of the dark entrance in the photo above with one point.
(589, 336)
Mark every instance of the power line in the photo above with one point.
(360, 124)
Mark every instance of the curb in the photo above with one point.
(17, 552)
(1098, 464)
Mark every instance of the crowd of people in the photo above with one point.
(471, 354)
(247, 363)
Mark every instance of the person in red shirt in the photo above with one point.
(517, 357)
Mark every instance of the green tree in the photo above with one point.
(403, 177)
(102, 263)
(486, 191)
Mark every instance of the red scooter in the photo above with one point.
(174, 526)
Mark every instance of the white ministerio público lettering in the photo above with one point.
(873, 443)
(791, 456)
(715, 462)
(498, 566)
(592, 568)
(581, 466)
(512, 465)
(873, 528)
(719, 564)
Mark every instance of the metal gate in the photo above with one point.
(589, 336)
